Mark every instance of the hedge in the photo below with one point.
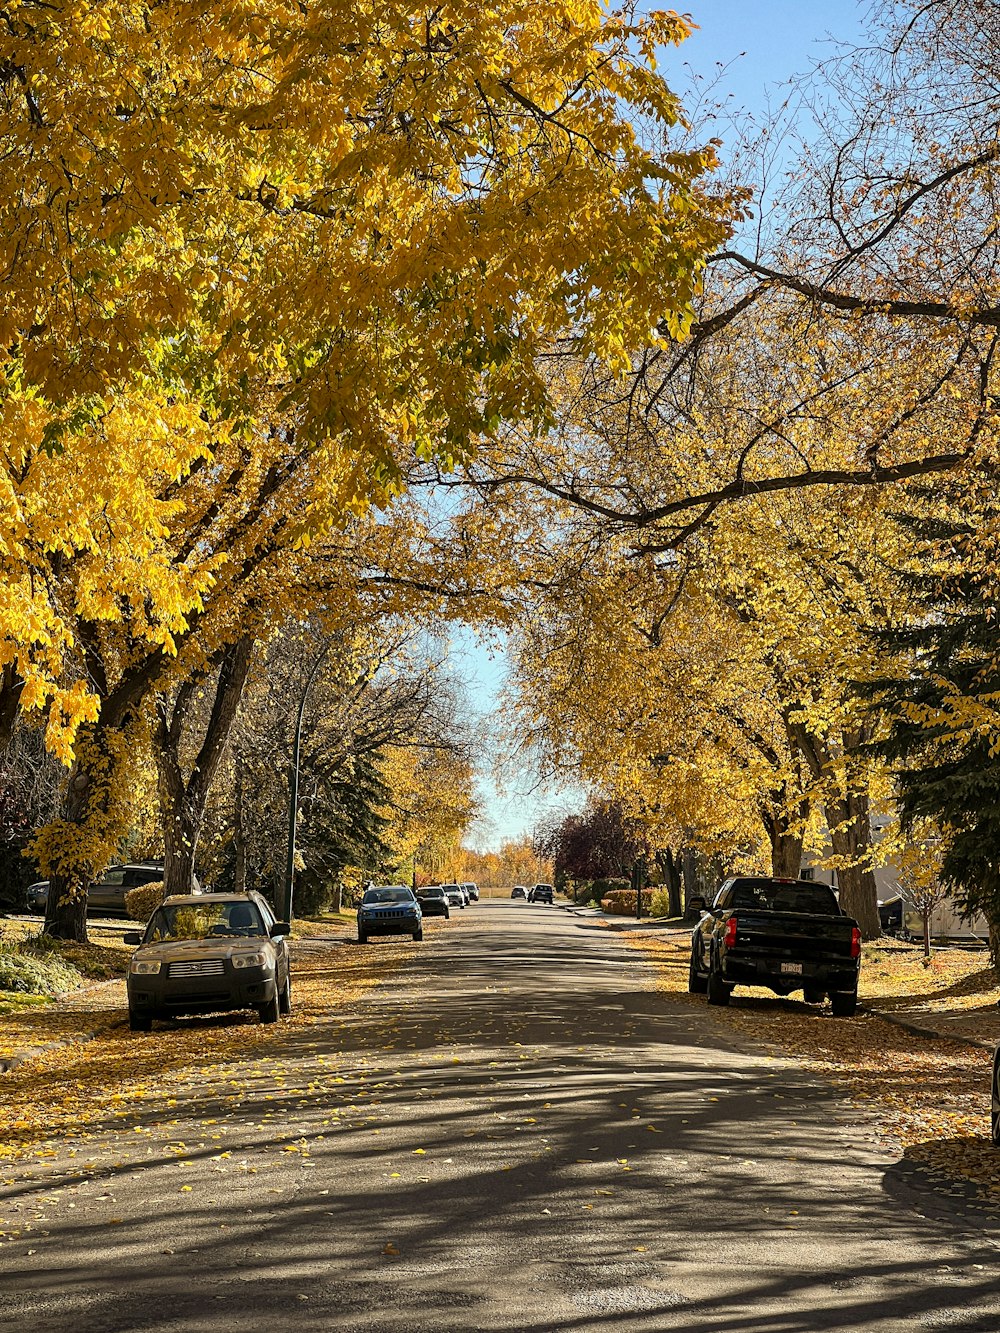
(142, 901)
(621, 902)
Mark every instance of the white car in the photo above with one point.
(457, 897)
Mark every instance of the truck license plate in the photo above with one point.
(792, 967)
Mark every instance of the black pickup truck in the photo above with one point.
(786, 934)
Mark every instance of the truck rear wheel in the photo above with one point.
(844, 1003)
(718, 991)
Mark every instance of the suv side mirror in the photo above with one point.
(280, 928)
(132, 937)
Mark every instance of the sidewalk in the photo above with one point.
(934, 1016)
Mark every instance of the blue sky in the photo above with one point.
(752, 49)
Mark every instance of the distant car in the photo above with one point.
(890, 915)
(472, 890)
(995, 1100)
(206, 953)
(433, 901)
(391, 909)
(542, 893)
(454, 894)
(106, 896)
(519, 891)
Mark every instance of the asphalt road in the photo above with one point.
(518, 1133)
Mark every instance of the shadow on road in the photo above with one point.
(520, 1132)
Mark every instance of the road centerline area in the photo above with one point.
(516, 1131)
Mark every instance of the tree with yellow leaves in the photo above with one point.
(289, 229)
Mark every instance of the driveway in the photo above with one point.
(517, 1132)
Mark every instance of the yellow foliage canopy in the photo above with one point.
(344, 223)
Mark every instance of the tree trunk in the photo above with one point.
(183, 799)
(689, 865)
(66, 904)
(850, 832)
(848, 819)
(785, 837)
(180, 844)
(338, 895)
(11, 686)
(993, 924)
(79, 845)
(672, 882)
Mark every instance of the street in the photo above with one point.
(517, 1131)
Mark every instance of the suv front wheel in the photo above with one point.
(139, 1022)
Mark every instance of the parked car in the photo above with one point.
(457, 895)
(890, 915)
(391, 909)
(473, 891)
(433, 901)
(205, 953)
(542, 893)
(107, 894)
(785, 934)
(519, 891)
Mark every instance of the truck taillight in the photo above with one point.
(855, 942)
(729, 938)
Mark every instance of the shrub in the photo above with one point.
(621, 902)
(659, 903)
(597, 890)
(142, 901)
(29, 974)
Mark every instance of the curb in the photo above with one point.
(932, 1034)
(10, 1062)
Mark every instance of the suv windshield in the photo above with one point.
(197, 921)
(387, 896)
(435, 892)
(775, 895)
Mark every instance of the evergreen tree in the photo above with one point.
(939, 721)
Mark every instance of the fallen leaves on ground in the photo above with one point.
(89, 1088)
(930, 1096)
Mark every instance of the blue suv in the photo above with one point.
(390, 910)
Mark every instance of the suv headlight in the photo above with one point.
(258, 959)
(140, 967)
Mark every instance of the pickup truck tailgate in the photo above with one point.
(792, 935)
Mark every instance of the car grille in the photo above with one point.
(202, 967)
(393, 911)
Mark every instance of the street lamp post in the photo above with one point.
(637, 877)
(293, 785)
